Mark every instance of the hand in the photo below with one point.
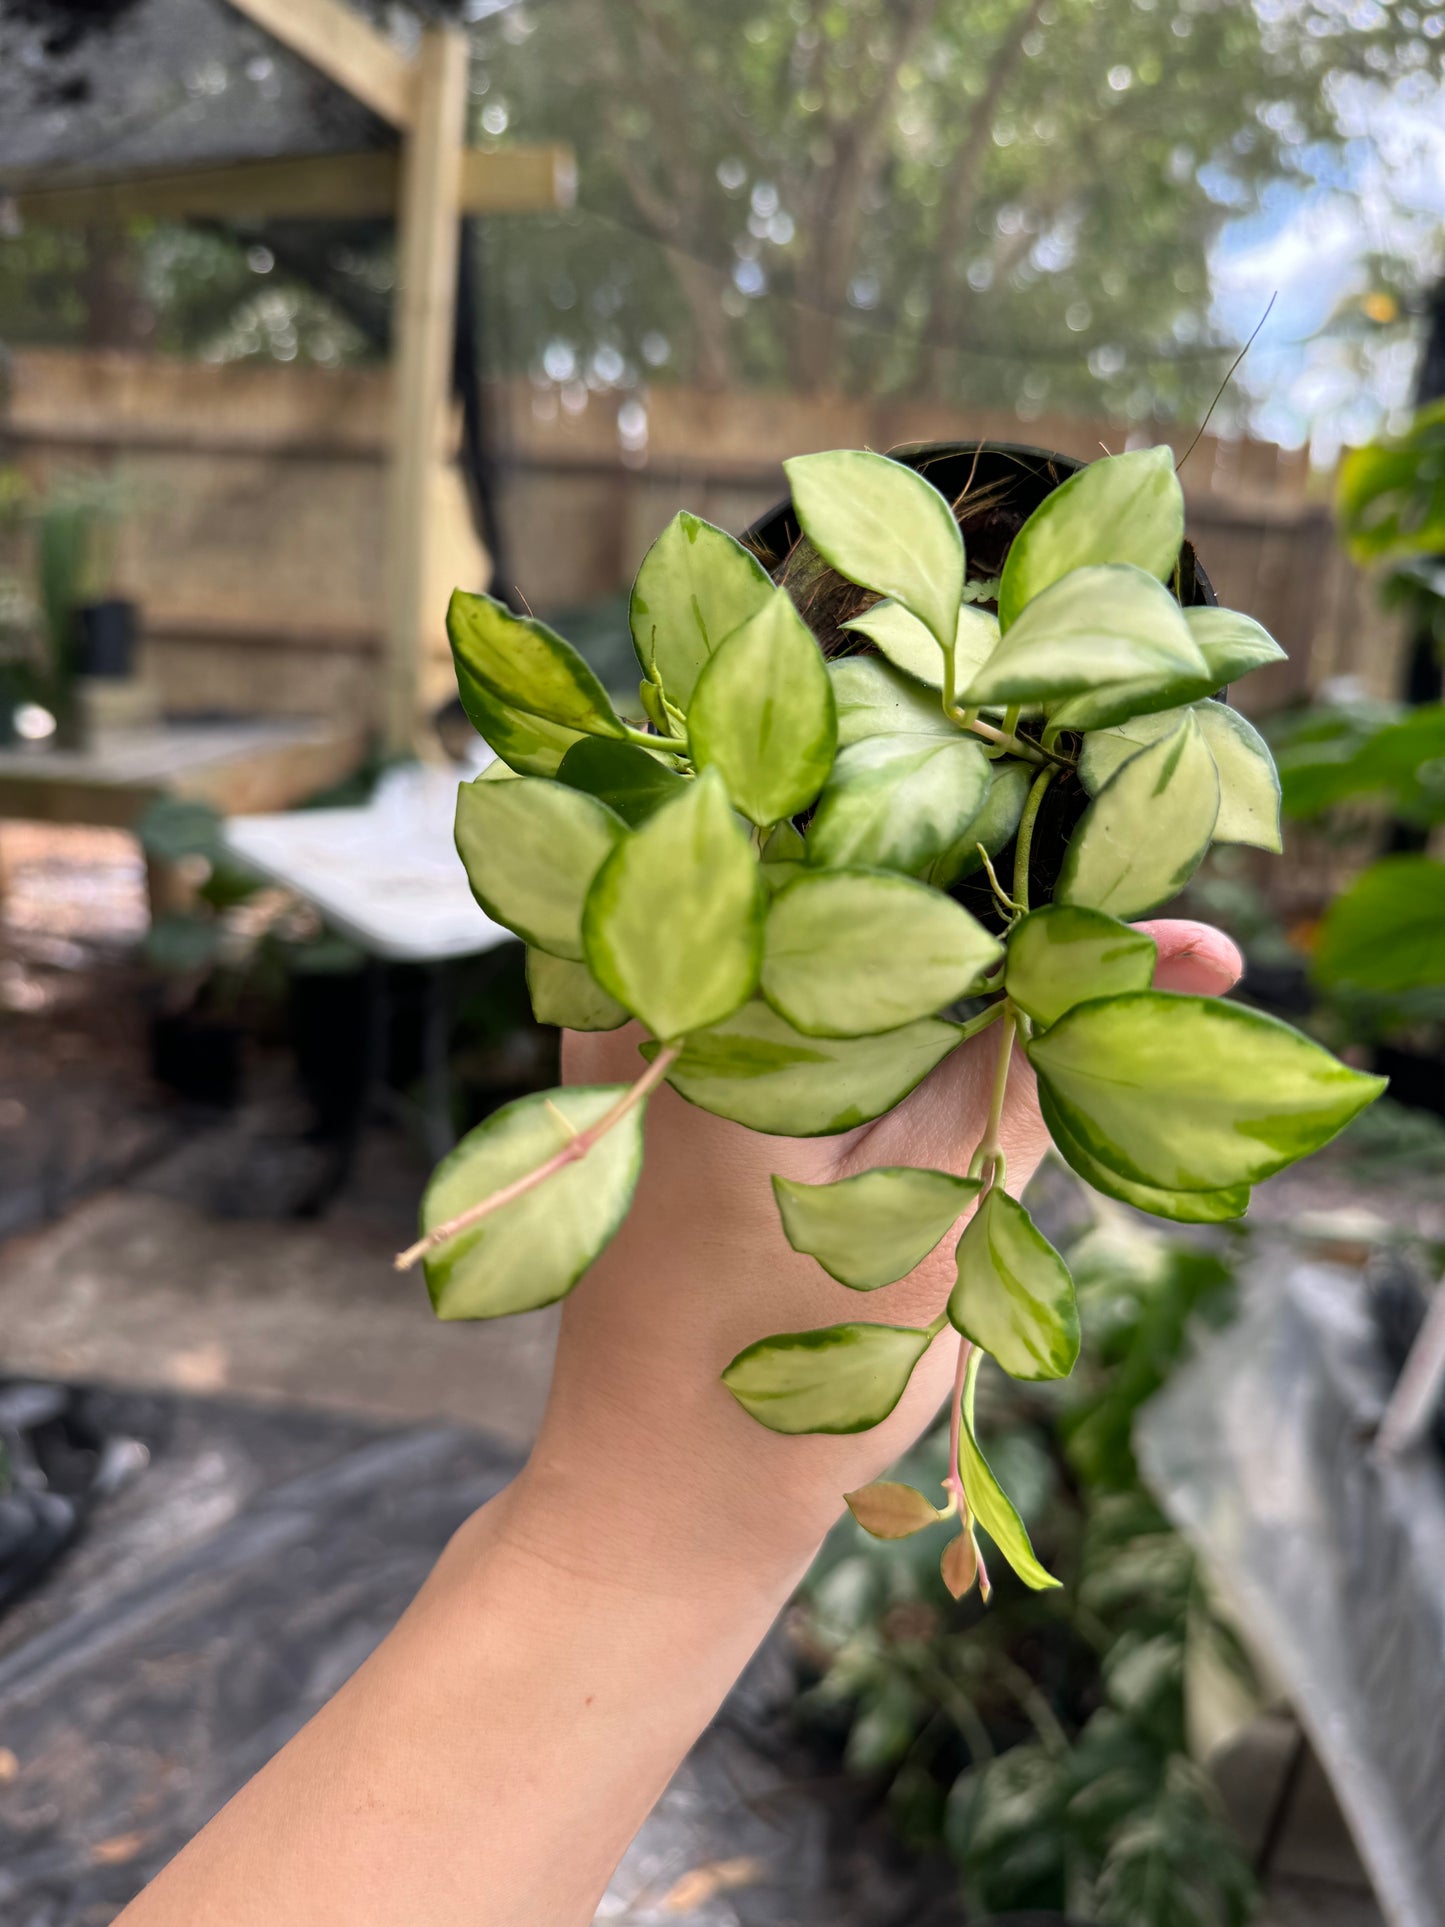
(642, 1447)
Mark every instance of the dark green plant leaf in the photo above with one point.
(1390, 495)
(872, 1229)
(1403, 759)
(1125, 508)
(875, 699)
(911, 646)
(845, 1378)
(762, 714)
(1248, 784)
(1146, 831)
(994, 826)
(1190, 1094)
(1014, 1296)
(884, 527)
(897, 802)
(695, 586)
(987, 1500)
(848, 953)
(533, 1250)
(1387, 932)
(673, 924)
(1179, 1207)
(527, 745)
(531, 849)
(565, 994)
(1106, 624)
(891, 1511)
(634, 782)
(1060, 956)
(525, 666)
(756, 1069)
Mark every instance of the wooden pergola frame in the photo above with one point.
(427, 185)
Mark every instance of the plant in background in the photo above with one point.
(761, 877)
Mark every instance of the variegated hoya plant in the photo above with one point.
(765, 874)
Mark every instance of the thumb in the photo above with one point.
(1193, 956)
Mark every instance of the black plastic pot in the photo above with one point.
(105, 637)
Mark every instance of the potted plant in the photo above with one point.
(764, 869)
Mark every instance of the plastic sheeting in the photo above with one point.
(1332, 1563)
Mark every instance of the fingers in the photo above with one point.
(1193, 956)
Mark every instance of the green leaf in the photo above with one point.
(1061, 955)
(1390, 495)
(993, 827)
(527, 745)
(1014, 1295)
(1387, 932)
(848, 953)
(1126, 508)
(911, 646)
(762, 714)
(1248, 783)
(533, 1250)
(1143, 836)
(845, 1378)
(526, 666)
(897, 802)
(875, 699)
(884, 527)
(872, 1229)
(673, 924)
(1180, 1207)
(1105, 624)
(891, 1511)
(695, 586)
(987, 1500)
(1187, 1093)
(634, 782)
(531, 849)
(782, 856)
(1404, 760)
(564, 994)
(756, 1069)
(1231, 644)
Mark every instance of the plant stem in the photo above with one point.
(575, 1149)
(644, 739)
(1023, 846)
(973, 1025)
(988, 1157)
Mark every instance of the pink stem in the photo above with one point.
(574, 1150)
(953, 1483)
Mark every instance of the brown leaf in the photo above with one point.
(959, 1564)
(702, 1884)
(116, 1851)
(891, 1511)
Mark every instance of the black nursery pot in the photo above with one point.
(1008, 481)
(105, 639)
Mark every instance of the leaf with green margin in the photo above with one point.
(1126, 508)
(993, 827)
(1231, 644)
(782, 856)
(1147, 830)
(762, 714)
(1387, 932)
(1179, 1207)
(531, 850)
(634, 782)
(910, 644)
(848, 953)
(1108, 623)
(875, 699)
(987, 1500)
(756, 1069)
(565, 994)
(695, 586)
(844, 1378)
(884, 527)
(673, 924)
(1014, 1295)
(1248, 783)
(897, 802)
(874, 1228)
(1185, 1093)
(527, 745)
(1062, 955)
(527, 666)
(887, 1510)
(532, 1251)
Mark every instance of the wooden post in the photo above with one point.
(427, 240)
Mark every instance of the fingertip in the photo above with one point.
(1193, 956)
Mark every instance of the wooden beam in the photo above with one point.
(508, 180)
(331, 37)
(428, 233)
